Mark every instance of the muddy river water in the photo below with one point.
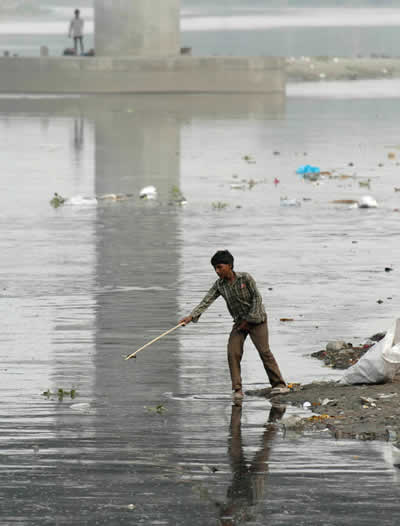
(155, 440)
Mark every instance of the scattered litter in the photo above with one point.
(388, 269)
(308, 169)
(237, 186)
(312, 176)
(84, 406)
(60, 393)
(342, 355)
(159, 409)
(249, 159)
(277, 181)
(344, 202)
(114, 197)
(285, 201)
(295, 386)
(80, 200)
(366, 183)
(318, 418)
(336, 346)
(306, 405)
(384, 396)
(391, 155)
(131, 507)
(328, 401)
(176, 197)
(368, 402)
(219, 205)
(367, 202)
(148, 192)
(364, 202)
(286, 319)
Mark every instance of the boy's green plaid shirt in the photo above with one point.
(242, 298)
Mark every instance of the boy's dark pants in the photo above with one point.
(259, 336)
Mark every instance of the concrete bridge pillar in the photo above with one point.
(145, 28)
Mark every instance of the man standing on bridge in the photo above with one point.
(76, 31)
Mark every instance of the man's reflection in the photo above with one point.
(248, 483)
(78, 133)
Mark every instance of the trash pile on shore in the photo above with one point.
(364, 411)
(341, 355)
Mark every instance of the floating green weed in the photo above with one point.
(57, 200)
(176, 196)
(159, 409)
(60, 393)
(219, 205)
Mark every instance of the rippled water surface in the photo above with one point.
(155, 440)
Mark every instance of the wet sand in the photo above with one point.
(341, 68)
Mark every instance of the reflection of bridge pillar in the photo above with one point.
(137, 144)
(137, 27)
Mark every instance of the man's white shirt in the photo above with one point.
(76, 27)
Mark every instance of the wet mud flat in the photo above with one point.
(362, 412)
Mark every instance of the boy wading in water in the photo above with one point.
(245, 305)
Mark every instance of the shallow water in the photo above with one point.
(84, 285)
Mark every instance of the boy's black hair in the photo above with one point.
(222, 256)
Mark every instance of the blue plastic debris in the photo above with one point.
(308, 169)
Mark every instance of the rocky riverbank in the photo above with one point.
(337, 68)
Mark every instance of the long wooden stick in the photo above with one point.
(153, 341)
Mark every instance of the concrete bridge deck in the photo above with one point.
(176, 74)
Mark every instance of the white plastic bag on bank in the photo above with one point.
(378, 365)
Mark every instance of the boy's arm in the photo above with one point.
(256, 313)
(209, 298)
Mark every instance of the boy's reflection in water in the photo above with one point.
(248, 483)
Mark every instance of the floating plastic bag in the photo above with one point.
(380, 364)
(308, 169)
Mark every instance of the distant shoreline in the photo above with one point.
(340, 68)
